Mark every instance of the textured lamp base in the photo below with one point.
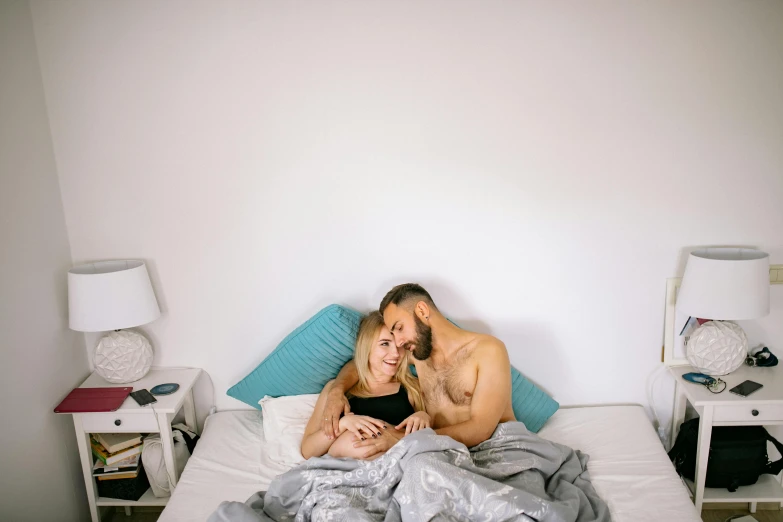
(123, 356)
(717, 348)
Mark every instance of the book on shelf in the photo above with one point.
(111, 458)
(117, 476)
(114, 442)
(124, 466)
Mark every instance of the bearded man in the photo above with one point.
(465, 377)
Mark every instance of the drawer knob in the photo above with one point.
(755, 413)
(117, 422)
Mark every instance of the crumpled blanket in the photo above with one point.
(515, 475)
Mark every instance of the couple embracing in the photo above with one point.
(463, 388)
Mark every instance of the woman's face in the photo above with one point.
(385, 357)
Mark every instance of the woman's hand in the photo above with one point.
(417, 421)
(361, 426)
(375, 447)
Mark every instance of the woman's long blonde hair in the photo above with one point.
(369, 329)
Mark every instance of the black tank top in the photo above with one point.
(393, 408)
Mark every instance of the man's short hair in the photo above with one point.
(405, 294)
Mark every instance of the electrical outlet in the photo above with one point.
(776, 274)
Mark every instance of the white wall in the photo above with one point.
(541, 167)
(40, 358)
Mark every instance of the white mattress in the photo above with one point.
(628, 465)
(229, 463)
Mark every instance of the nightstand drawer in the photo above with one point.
(119, 422)
(749, 412)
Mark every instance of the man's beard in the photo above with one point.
(423, 341)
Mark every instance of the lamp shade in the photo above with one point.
(110, 295)
(728, 284)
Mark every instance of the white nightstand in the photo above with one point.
(132, 418)
(764, 407)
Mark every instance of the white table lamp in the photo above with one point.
(112, 295)
(723, 284)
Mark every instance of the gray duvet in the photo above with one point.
(515, 475)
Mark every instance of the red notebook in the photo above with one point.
(82, 400)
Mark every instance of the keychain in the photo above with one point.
(711, 383)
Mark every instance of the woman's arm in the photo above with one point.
(315, 443)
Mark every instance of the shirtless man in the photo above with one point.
(465, 376)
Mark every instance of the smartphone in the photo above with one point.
(143, 397)
(743, 389)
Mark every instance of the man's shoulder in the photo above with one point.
(489, 342)
(487, 346)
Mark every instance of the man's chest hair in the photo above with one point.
(450, 381)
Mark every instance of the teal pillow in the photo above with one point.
(530, 403)
(313, 354)
(305, 360)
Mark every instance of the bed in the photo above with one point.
(628, 466)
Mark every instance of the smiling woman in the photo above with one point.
(378, 360)
(387, 396)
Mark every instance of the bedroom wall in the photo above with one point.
(541, 167)
(41, 360)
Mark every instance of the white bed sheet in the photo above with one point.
(229, 463)
(628, 466)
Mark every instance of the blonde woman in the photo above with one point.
(386, 396)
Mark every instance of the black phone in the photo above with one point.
(743, 389)
(143, 397)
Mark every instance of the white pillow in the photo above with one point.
(285, 419)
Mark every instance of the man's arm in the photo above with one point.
(336, 403)
(314, 443)
(490, 398)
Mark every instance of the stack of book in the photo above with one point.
(118, 455)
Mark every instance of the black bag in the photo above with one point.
(738, 454)
(190, 437)
(125, 489)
